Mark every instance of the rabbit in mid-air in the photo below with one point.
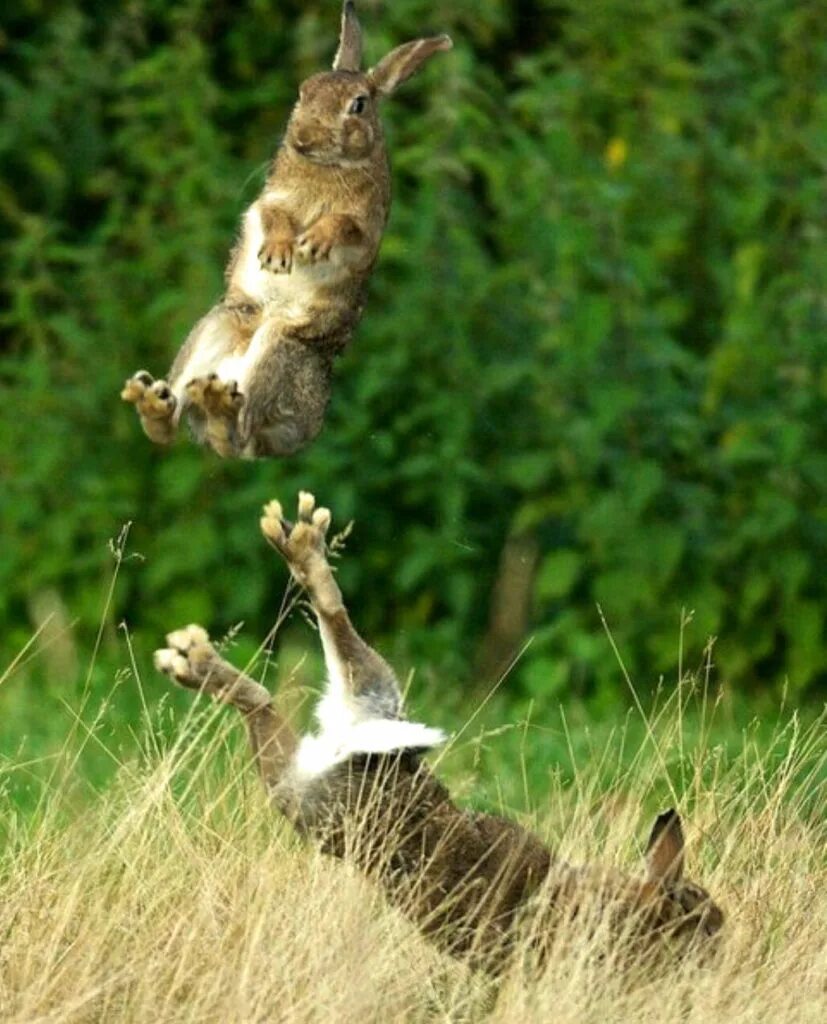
(254, 374)
(360, 788)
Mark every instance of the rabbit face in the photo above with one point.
(687, 910)
(335, 120)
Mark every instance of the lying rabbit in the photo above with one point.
(360, 788)
(254, 374)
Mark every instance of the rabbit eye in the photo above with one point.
(358, 105)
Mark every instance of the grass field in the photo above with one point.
(143, 877)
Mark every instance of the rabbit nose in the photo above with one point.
(301, 143)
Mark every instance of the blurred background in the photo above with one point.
(591, 375)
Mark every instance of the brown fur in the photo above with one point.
(253, 376)
(471, 882)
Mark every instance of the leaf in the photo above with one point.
(558, 573)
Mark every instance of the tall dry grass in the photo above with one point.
(177, 895)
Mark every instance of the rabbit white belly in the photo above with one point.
(349, 724)
(238, 367)
(316, 755)
(289, 294)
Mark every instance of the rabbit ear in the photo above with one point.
(664, 851)
(405, 60)
(349, 55)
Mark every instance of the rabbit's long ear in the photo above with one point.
(404, 61)
(349, 55)
(664, 851)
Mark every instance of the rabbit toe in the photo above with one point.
(272, 524)
(183, 640)
(157, 402)
(172, 664)
(306, 505)
(135, 388)
(277, 256)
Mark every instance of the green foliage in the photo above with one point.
(597, 327)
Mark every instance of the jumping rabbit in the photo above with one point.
(360, 788)
(254, 374)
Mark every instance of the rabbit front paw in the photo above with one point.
(276, 255)
(316, 244)
(186, 657)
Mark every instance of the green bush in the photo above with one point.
(591, 370)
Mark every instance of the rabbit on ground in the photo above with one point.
(254, 374)
(360, 788)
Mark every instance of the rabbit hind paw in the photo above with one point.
(301, 544)
(220, 401)
(215, 396)
(155, 403)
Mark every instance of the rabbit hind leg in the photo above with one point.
(223, 348)
(361, 684)
(286, 386)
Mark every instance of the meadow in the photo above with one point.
(581, 431)
(147, 879)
